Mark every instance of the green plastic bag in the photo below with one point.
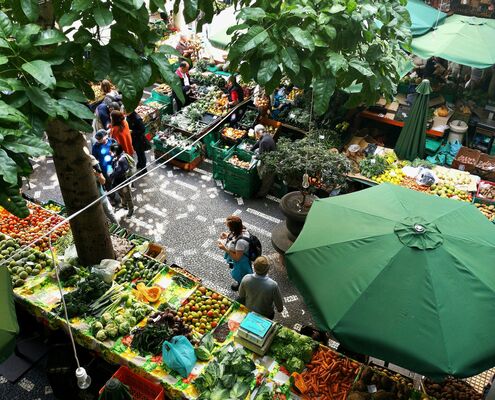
(178, 354)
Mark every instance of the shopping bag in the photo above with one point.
(178, 354)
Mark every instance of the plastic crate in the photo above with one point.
(52, 202)
(228, 139)
(482, 200)
(240, 181)
(220, 149)
(245, 146)
(209, 140)
(140, 388)
(162, 98)
(186, 156)
(156, 252)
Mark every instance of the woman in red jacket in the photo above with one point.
(120, 131)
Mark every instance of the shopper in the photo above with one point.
(101, 151)
(259, 292)
(111, 95)
(121, 168)
(100, 183)
(264, 144)
(235, 243)
(102, 115)
(120, 131)
(139, 141)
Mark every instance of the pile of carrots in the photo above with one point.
(329, 376)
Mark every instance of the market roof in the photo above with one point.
(461, 39)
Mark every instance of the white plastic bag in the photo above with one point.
(70, 254)
(106, 269)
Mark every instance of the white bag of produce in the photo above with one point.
(70, 254)
(106, 269)
(425, 177)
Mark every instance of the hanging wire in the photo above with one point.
(66, 315)
(128, 181)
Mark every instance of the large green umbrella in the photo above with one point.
(423, 17)
(8, 321)
(464, 40)
(412, 140)
(403, 276)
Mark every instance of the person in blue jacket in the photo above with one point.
(235, 244)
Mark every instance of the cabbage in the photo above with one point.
(295, 365)
(202, 353)
(101, 335)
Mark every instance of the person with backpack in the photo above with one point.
(260, 293)
(240, 248)
(120, 131)
(122, 169)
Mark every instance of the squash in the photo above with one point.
(147, 294)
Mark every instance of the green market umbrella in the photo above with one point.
(403, 276)
(8, 321)
(464, 40)
(423, 17)
(412, 140)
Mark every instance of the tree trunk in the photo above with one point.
(78, 186)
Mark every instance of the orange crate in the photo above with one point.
(140, 388)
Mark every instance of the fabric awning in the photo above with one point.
(423, 17)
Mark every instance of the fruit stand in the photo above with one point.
(126, 320)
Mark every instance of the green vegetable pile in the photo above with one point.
(208, 79)
(249, 118)
(161, 326)
(71, 274)
(292, 350)
(183, 281)
(373, 166)
(138, 268)
(205, 350)
(88, 290)
(23, 264)
(229, 376)
(112, 325)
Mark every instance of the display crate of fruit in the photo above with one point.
(485, 167)
(246, 146)
(240, 175)
(383, 383)
(249, 118)
(486, 207)
(203, 310)
(451, 389)
(138, 267)
(176, 287)
(466, 159)
(486, 191)
(271, 126)
(53, 206)
(221, 149)
(156, 252)
(148, 111)
(139, 387)
(31, 228)
(162, 107)
(233, 135)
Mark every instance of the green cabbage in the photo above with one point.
(294, 365)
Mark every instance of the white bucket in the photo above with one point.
(457, 131)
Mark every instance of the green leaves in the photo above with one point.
(252, 13)
(8, 168)
(168, 75)
(31, 9)
(361, 66)
(27, 144)
(50, 36)
(190, 10)
(126, 51)
(290, 59)
(302, 37)
(41, 71)
(323, 89)
(81, 5)
(77, 109)
(100, 60)
(266, 70)
(10, 114)
(42, 100)
(5, 25)
(103, 16)
(248, 41)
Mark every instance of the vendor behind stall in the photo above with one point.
(184, 47)
(264, 144)
(183, 73)
(235, 95)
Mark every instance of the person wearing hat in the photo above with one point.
(260, 293)
(264, 144)
(100, 183)
(101, 151)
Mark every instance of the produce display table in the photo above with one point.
(316, 370)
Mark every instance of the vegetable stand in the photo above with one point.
(224, 367)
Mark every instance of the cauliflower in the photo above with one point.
(106, 317)
(96, 327)
(112, 330)
(119, 319)
(124, 328)
(101, 335)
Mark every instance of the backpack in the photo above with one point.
(132, 166)
(254, 250)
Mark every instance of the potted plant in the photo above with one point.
(308, 164)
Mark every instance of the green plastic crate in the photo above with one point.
(161, 97)
(166, 106)
(209, 140)
(187, 156)
(220, 149)
(219, 166)
(242, 147)
(240, 181)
